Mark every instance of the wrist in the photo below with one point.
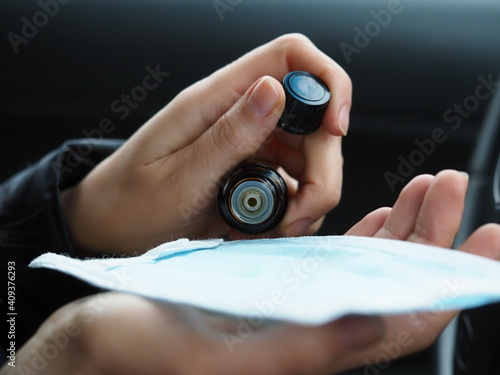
(88, 228)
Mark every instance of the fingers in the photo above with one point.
(428, 211)
(238, 134)
(290, 53)
(293, 349)
(181, 340)
(441, 212)
(370, 224)
(320, 184)
(404, 334)
(401, 221)
(485, 241)
(315, 161)
(301, 54)
(194, 110)
(226, 118)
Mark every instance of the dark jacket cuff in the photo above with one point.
(32, 223)
(30, 211)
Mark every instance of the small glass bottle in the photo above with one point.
(253, 197)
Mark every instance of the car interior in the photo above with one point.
(424, 74)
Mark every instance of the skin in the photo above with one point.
(118, 333)
(132, 201)
(161, 185)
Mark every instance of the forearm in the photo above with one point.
(96, 212)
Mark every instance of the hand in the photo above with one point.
(125, 334)
(161, 185)
(428, 211)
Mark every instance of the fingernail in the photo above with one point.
(344, 119)
(299, 227)
(356, 332)
(263, 98)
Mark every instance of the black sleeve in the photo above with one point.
(32, 223)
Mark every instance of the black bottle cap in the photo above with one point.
(253, 198)
(307, 98)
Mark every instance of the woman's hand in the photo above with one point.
(428, 211)
(161, 185)
(115, 333)
(124, 334)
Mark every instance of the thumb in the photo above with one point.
(294, 349)
(241, 131)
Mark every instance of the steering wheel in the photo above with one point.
(470, 344)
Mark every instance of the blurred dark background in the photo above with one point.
(427, 58)
(410, 72)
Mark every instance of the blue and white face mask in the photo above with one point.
(306, 280)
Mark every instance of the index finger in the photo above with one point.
(294, 349)
(216, 94)
(288, 53)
